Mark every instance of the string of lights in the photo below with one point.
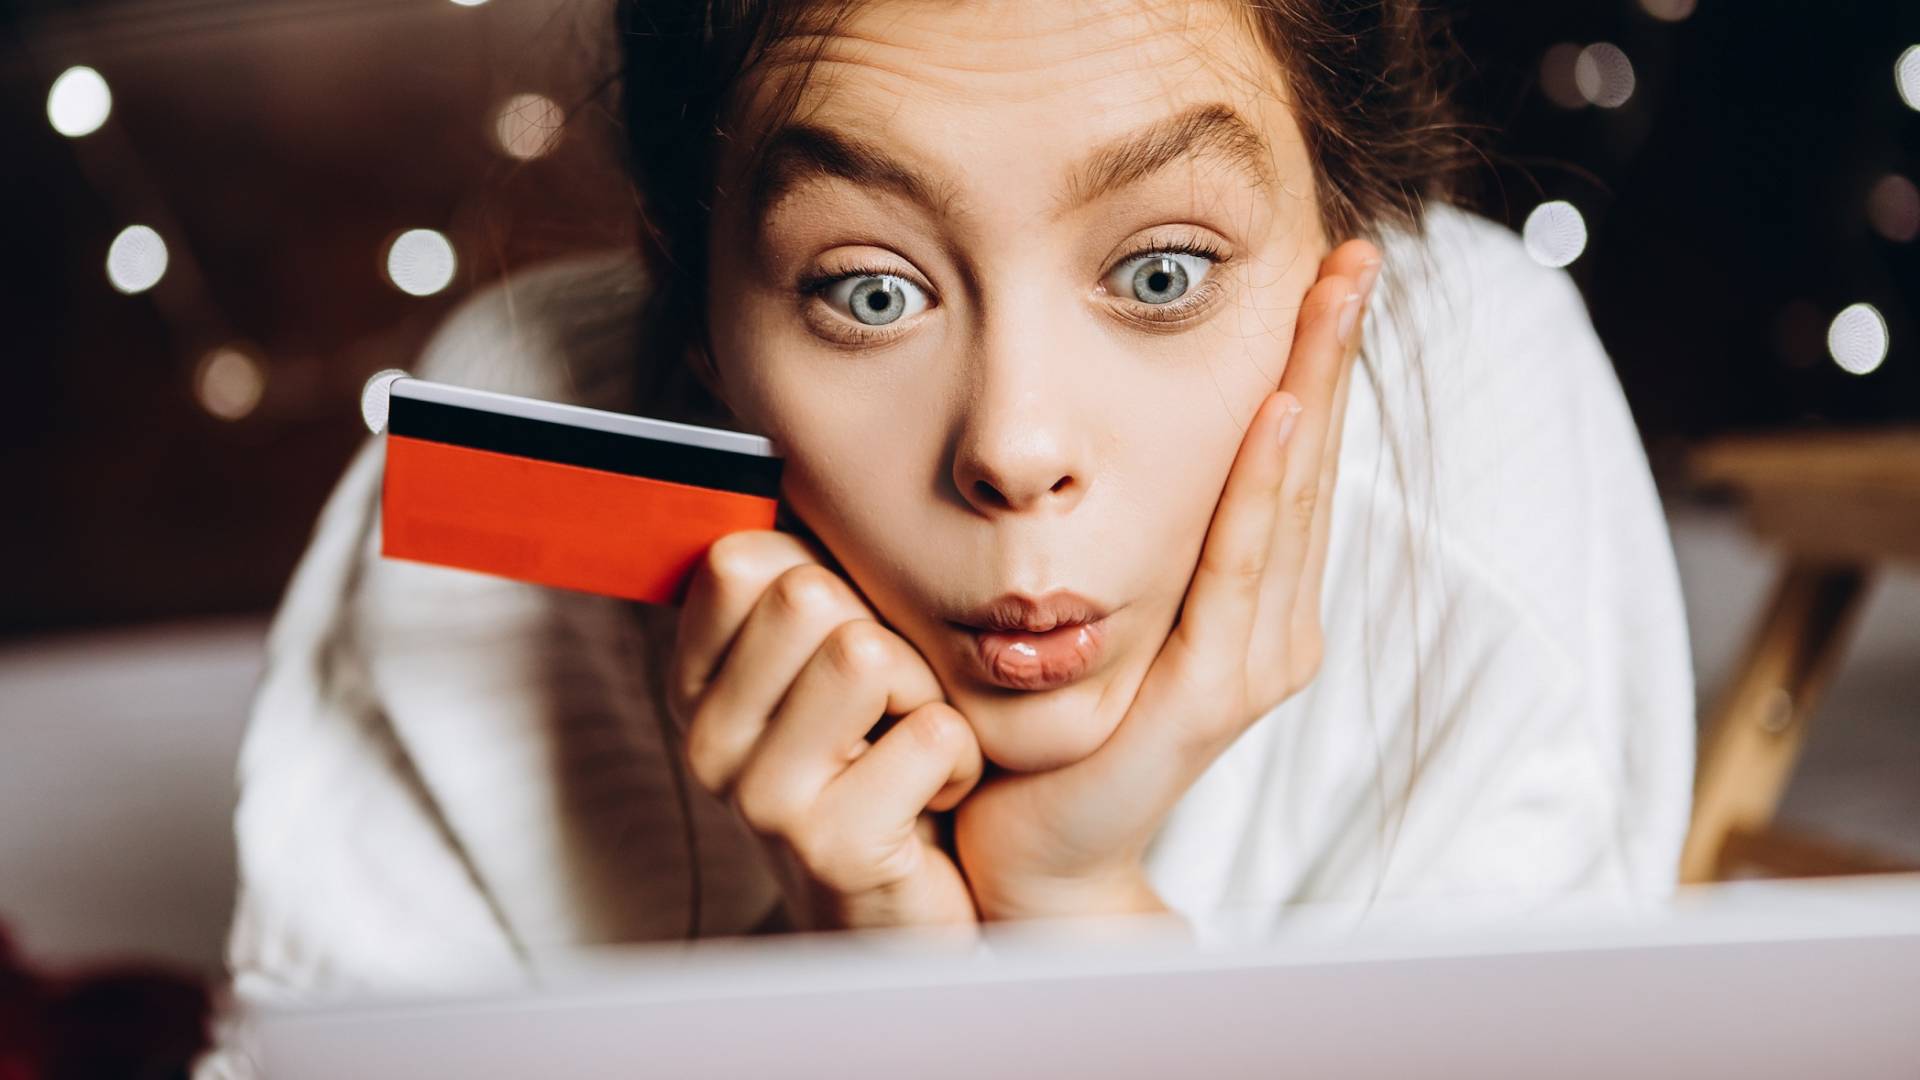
(230, 374)
(1601, 75)
(418, 261)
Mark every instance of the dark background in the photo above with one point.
(278, 145)
(1727, 199)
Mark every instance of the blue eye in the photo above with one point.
(876, 299)
(1159, 277)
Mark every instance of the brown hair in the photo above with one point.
(1371, 88)
(1369, 80)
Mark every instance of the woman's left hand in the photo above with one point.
(1072, 840)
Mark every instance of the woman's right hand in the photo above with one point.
(779, 671)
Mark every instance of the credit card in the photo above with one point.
(557, 494)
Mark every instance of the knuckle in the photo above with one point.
(684, 693)
(859, 649)
(684, 707)
(935, 726)
(765, 805)
(1304, 502)
(705, 759)
(825, 855)
(683, 687)
(847, 864)
(894, 867)
(807, 590)
(1246, 567)
(731, 559)
(1251, 567)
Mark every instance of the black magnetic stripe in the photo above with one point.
(546, 440)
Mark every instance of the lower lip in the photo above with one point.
(1019, 660)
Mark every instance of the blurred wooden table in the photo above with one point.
(1839, 505)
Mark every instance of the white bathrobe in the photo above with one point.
(449, 774)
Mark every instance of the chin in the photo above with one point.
(1024, 732)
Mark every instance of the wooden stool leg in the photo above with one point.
(1759, 722)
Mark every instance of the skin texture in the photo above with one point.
(1105, 439)
(1029, 425)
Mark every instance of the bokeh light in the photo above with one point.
(1893, 208)
(376, 397)
(1668, 10)
(79, 102)
(1604, 75)
(137, 259)
(1555, 234)
(420, 262)
(229, 382)
(1556, 76)
(528, 126)
(1857, 338)
(1906, 76)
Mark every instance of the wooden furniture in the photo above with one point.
(1840, 504)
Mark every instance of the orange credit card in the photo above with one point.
(562, 495)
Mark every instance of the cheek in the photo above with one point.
(1231, 367)
(745, 333)
(1256, 339)
(878, 522)
(834, 418)
(1178, 491)
(859, 511)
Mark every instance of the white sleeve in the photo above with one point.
(448, 776)
(1557, 750)
(349, 879)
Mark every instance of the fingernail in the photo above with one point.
(1287, 418)
(1368, 272)
(1349, 317)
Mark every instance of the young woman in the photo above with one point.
(1201, 514)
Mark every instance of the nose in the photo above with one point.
(1020, 449)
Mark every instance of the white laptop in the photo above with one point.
(1753, 979)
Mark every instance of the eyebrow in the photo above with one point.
(1212, 129)
(801, 151)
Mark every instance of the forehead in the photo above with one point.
(1007, 94)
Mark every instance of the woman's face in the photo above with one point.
(1005, 292)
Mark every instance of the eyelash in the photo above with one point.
(1177, 313)
(1165, 316)
(842, 330)
(1196, 247)
(816, 284)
